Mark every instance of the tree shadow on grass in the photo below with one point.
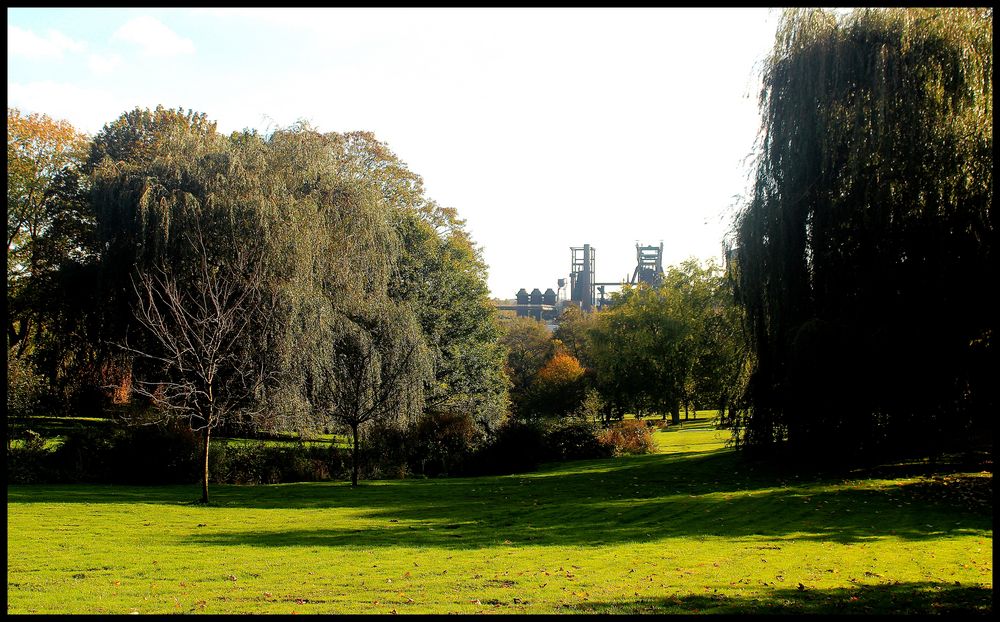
(588, 503)
(895, 598)
(637, 501)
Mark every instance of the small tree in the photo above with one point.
(207, 330)
(559, 387)
(373, 370)
(529, 345)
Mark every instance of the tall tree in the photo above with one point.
(559, 387)
(443, 278)
(701, 297)
(868, 235)
(192, 240)
(573, 330)
(45, 222)
(140, 169)
(441, 275)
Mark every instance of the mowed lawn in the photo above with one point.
(691, 529)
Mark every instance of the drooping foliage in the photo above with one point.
(191, 267)
(865, 249)
(440, 274)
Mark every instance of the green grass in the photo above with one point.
(699, 434)
(694, 528)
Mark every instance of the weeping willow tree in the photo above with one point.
(355, 357)
(864, 254)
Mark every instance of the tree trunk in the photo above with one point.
(204, 475)
(354, 457)
(675, 414)
(685, 411)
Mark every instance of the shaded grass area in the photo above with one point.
(664, 533)
(897, 598)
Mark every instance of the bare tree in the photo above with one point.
(207, 326)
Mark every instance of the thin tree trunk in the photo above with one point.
(204, 475)
(354, 457)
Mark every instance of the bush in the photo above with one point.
(260, 462)
(29, 462)
(171, 454)
(157, 454)
(516, 447)
(26, 391)
(435, 445)
(386, 452)
(628, 437)
(574, 439)
(444, 442)
(87, 455)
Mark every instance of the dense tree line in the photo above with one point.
(303, 281)
(297, 280)
(866, 248)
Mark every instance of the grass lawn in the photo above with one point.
(691, 529)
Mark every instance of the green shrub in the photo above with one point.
(29, 462)
(443, 443)
(87, 455)
(516, 447)
(261, 462)
(168, 453)
(26, 393)
(386, 452)
(574, 439)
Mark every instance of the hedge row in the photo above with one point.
(432, 447)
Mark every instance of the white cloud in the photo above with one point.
(104, 64)
(87, 109)
(154, 37)
(27, 44)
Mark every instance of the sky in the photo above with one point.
(545, 128)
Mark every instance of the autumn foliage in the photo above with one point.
(562, 369)
(558, 387)
(627, 437)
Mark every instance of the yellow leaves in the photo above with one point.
(561, 369)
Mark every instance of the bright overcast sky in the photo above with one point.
(545, 128)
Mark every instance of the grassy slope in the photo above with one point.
(690, 529)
